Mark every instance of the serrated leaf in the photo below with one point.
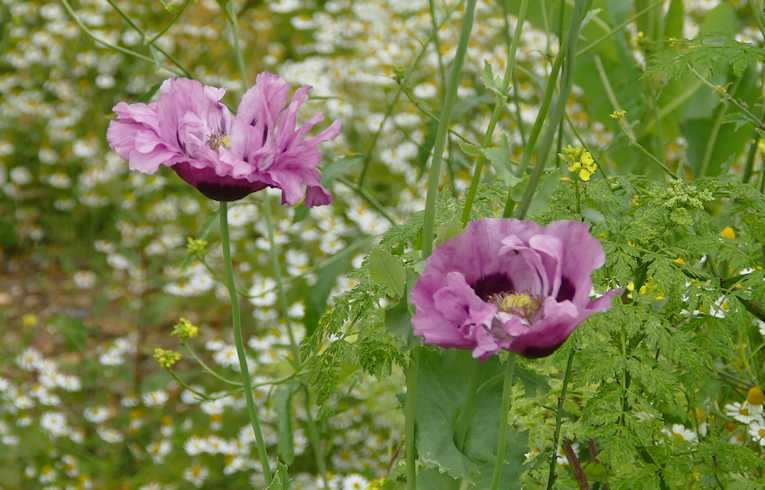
(387, 270)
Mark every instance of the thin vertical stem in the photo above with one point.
(499, 104)
(401, 84)
(436, 41)
(559, 418)
(234, 23)
(239, 341)
(622, 123)
(450, 98)
(567, 51)
(313, 432)
(504, 422)
(410, 414)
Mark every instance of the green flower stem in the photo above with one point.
(151, 42)
(170, 24)
(402, 83)
(313, 432)
(619, 27)
(234, 23)
(107, 44)
(622, 123)
(207, 368)
(450, 98)
(567, 50)
(504, 416)
(440, 142)
(750, 159)
(559, 418)
(499, 104)
(239, 341)
(410, 413)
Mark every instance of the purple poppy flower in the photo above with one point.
(509, 284)
(226, 156)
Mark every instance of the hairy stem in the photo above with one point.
(567, 50)
(504, 423)
(239, 341)
(559, 418)
(313, 432)
(499, 104)
(450, 98)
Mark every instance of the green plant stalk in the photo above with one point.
(107, 44)
(313, 433)
(559, 418)
(436, 41)
(397, 97)
(499, 104)
(751, 157)
(450, 98)
(504, 416)
(239, 341)
(207, 368)
(544, 109)
(234, 23)
(151, 42)
(715, 133)
(170, 24)
(619, 27)
(623, 124)
(568, 50)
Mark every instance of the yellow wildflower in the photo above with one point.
(29, 320)
(166, 358)
(728, 233)
(184, 329)
(618, 115)
(579, 161)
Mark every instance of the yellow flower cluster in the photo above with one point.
(196, 247)
(166, 358)
(618, 115)
(184, 329)
(579, 161)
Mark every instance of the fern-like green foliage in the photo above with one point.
(670, 352)
(709, 56)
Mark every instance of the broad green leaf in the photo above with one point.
(447, 379)
(387, 270)
(432, 478)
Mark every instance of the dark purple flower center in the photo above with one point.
(567, 290)
(493, 285)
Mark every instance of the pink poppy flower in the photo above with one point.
(509, 284)
(225, 156)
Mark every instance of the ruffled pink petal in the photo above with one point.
(547, 333)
